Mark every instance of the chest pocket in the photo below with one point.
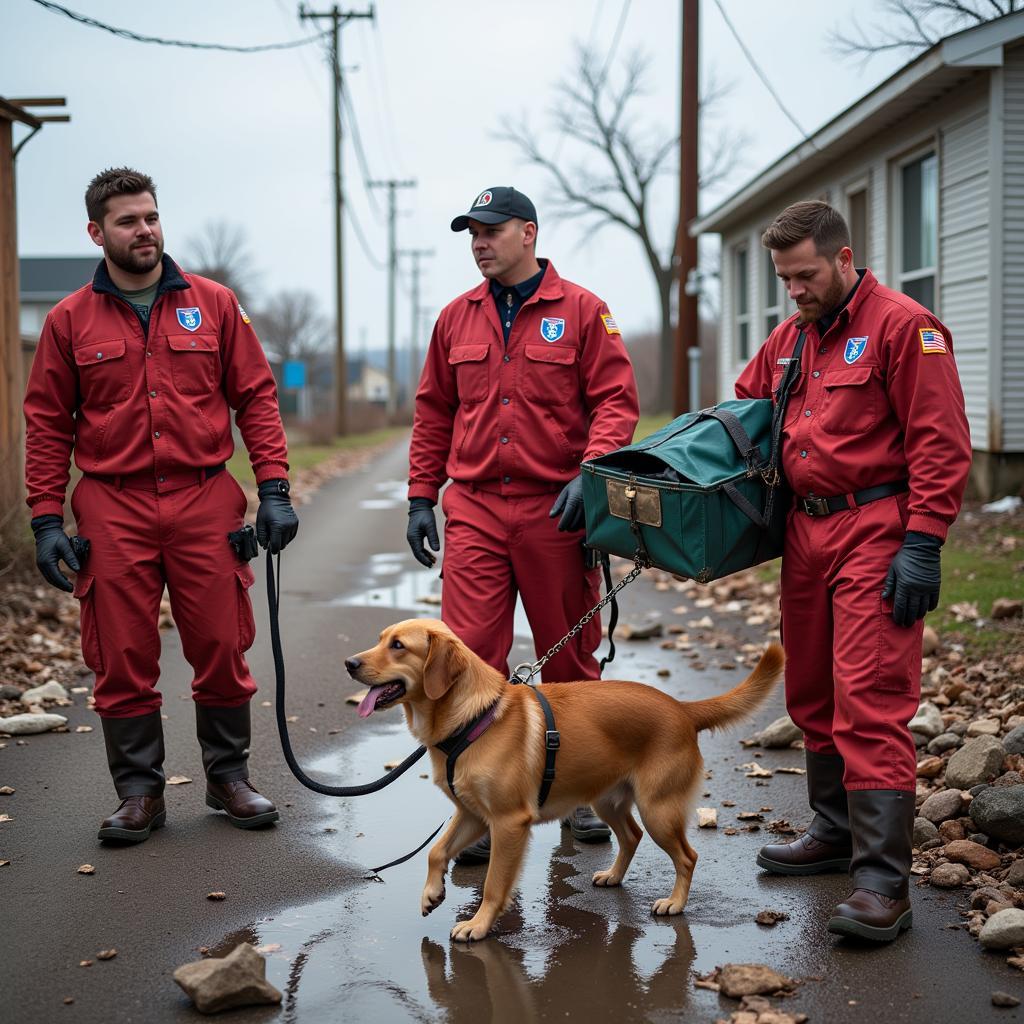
(549, 374)
(471, 371)
(103, 372)
(849, 402)
(195, 363)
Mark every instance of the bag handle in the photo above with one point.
(779, 413)
(740, 438)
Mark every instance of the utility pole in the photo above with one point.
(414, 360)
(392, 185)
(687, 327)
(338, 19)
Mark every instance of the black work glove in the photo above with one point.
(422, 527)
(276, 521)
(53, 544)
(913, 578)
(570, 504)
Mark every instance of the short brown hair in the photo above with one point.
(811, 219)
(115, 181)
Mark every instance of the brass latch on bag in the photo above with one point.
(634, 503)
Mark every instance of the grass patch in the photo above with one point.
(305, 456)
(649, 424)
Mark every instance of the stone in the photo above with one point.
(930, 767)
(978, 858)
(1004, 999)
(32, 722)
(1013, 742)
(920, 740)
(1009, 779)
(983, 896)
(929, 642)
(924, 832)
(1003, 930)
(975, 790)
(736, 980)
(950, 876)
(647, 631)
(928, 721)
(9, 692)
(707, 817)
(780, 734)
(943, 742)
(941, 806)
(950, 831)
(978, 760)
(999, 813)
(1005, 608)
(1015, 876)
(48, 691)
(239, 979)
(984, 727)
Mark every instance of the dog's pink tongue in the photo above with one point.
(369, 702)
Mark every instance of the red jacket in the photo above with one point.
(130, 402)
(878, 399)
(520, 418)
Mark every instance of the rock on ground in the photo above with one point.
(950, 876)
(239, 979)
(1003, 930)
(48, 691)
(1013, 741)
(941, 806)
(736, 980)
(977, 761)
(975, 856)
(928, 721)
(780, 734)
(27, 724)
(999, 812)
(924, 832)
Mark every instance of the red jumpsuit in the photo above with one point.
(510, 424)
(147, 414)
(878, 400)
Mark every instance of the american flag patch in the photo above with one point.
(609, 324)
(932, 341)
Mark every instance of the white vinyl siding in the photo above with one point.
(1013, 254)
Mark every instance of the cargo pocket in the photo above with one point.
(550, 376)
(471, 371)
(849, 402)
(246, 621)
(85, 591)
(195, 363)
(103, 372)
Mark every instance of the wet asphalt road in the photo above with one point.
(343, 948)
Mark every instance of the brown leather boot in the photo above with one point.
(244, 807)
(134, 819)
(804, 856)
(870, 915)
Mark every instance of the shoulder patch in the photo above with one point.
(610, 326)
(933, 342)
(245, 316)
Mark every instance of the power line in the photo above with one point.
(136, 37)
(377, 264)
(760, 74)
(357, 140)
(393, 133)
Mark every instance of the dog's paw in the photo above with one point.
(606, 878)
(431, 899)
(470, 931)
(667, 907)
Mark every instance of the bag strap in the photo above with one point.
(745, 506)
(740, 438)
(781, 400)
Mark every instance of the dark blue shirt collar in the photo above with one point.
(524, 289)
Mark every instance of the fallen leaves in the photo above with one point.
(770, 918)
(86, 869)
(178, 780)
(755, 771)
(106, 954)
(6, 790)
(216, 896)
(6, 817)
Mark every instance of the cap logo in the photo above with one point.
(484, 199)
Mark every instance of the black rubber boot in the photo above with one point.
(135, 754)
(826, 846)
(882, 823)
(224, 736)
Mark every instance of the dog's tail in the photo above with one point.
(741, 700)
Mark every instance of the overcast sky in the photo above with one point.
(246, 138)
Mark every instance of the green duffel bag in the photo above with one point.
(699, 498)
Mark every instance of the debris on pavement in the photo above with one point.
(738, 980)
(30, 723)
(238, 979)
(770, 918)
(106, 954)
(707, 817)
(86, 869)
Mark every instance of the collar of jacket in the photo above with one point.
(171, 279)
(550, 287)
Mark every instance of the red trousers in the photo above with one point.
(496, 547)
(853, 677)
(141, 541)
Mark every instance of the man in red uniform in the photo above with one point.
(137, 374)
(526, 376)
(876, 449)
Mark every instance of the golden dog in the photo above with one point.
(621, 743)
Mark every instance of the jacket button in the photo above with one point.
(193, 344)
(156, 433)
(506, 479)
(148, 353)
(504, 401)
(504, 440)
(822, 350)
(816, 374)
(506, 359)
(152, 394)
(99, 355)
(803, 454)
(161, 479)
(807, 412)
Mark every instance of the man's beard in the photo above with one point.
(131, 262)
(834, 295)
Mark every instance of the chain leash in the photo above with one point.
(526, 670)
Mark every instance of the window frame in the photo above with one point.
(744, 319)
(862, 183)
(771, 310)
(927, 148)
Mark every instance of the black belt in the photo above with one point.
(815, 506)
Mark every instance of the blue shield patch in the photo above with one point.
(190, 318)
(855, 349)
(552, 328)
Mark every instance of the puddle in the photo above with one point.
(391, 494)
(563, 949)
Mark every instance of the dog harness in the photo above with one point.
(455, 744)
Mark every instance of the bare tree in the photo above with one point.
(291, 326)
(916, 25)
(614, 182)
(220, 251)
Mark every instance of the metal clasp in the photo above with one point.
(815, 506)
(552, 739)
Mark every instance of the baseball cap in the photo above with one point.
(494, 205)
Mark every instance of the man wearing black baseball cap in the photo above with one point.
(526, 376)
